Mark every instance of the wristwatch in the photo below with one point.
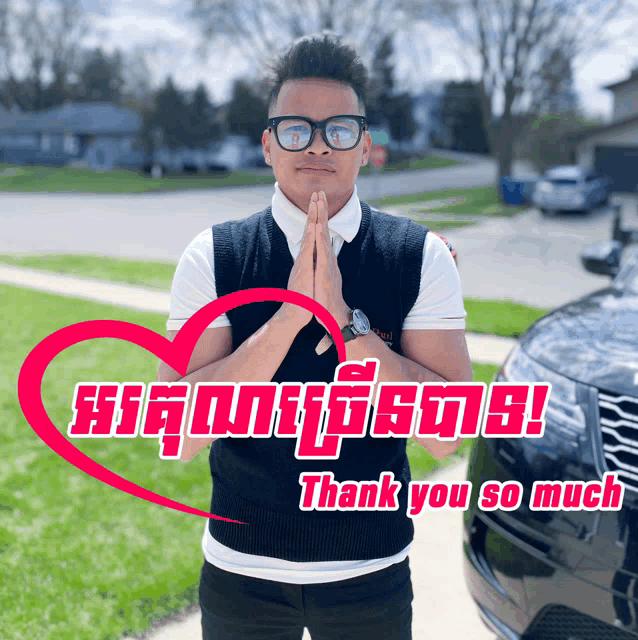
(359, 326)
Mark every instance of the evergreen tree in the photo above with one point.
(170, 115)
(399, 114)
(202, 128)
(460, 115)
(381, 85)
(101, 78)
(247, 111)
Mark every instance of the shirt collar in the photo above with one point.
(292, 220)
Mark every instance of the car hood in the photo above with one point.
(593, 340)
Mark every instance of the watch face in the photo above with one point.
(360, 321)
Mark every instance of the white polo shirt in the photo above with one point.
(439, 305)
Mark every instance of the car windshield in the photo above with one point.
(564, 175)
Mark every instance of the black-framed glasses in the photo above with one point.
(296, 133)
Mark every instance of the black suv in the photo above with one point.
(567, 575)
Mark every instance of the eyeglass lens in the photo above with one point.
(342, 133)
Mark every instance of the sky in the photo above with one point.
(164, 25)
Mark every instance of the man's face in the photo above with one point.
(336, 171)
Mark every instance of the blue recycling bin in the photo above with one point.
(512, 190)
(517, 192)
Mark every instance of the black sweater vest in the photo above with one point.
(256, 480)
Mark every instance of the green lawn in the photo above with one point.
(66, 179)
(421, 462)
(81, 560)
(440, 225)
(155, 274)
(501, 317)
(477, 201)
(428, 162)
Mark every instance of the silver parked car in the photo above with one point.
(571, 188)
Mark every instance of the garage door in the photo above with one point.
(620, 164)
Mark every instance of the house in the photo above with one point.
(102, 136)
(237, 151)
(425, 112)
(233, 152)
(427, 117)
(612, 149)
(96, 135)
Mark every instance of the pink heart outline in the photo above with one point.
(176, 354)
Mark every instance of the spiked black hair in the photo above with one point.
(319, 56)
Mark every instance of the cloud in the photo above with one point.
(139, 27)
(425, 57)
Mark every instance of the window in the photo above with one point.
(30, 141)
(70, 143)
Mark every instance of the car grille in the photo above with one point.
(619, 426)
(562, 623)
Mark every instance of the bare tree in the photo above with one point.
(516, 42)
(5, 39)
(137, 91)
(39, 38)
(33, 34)
(261, 28)
(556, 93)
(7, 53)
(68, 28)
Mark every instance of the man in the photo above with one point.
(340, 574)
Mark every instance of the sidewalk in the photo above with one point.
(442, 608)
(483, 348)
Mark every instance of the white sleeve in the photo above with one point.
(439, 304)
(194, 283)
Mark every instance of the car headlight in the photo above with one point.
(563, 412)
(544, 187)
(564, 438)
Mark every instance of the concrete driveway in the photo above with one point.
(534, 259)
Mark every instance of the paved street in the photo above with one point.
(160, 225)
(527, 258)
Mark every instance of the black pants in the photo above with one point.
(375, 606)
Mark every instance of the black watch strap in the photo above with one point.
(348, 333)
